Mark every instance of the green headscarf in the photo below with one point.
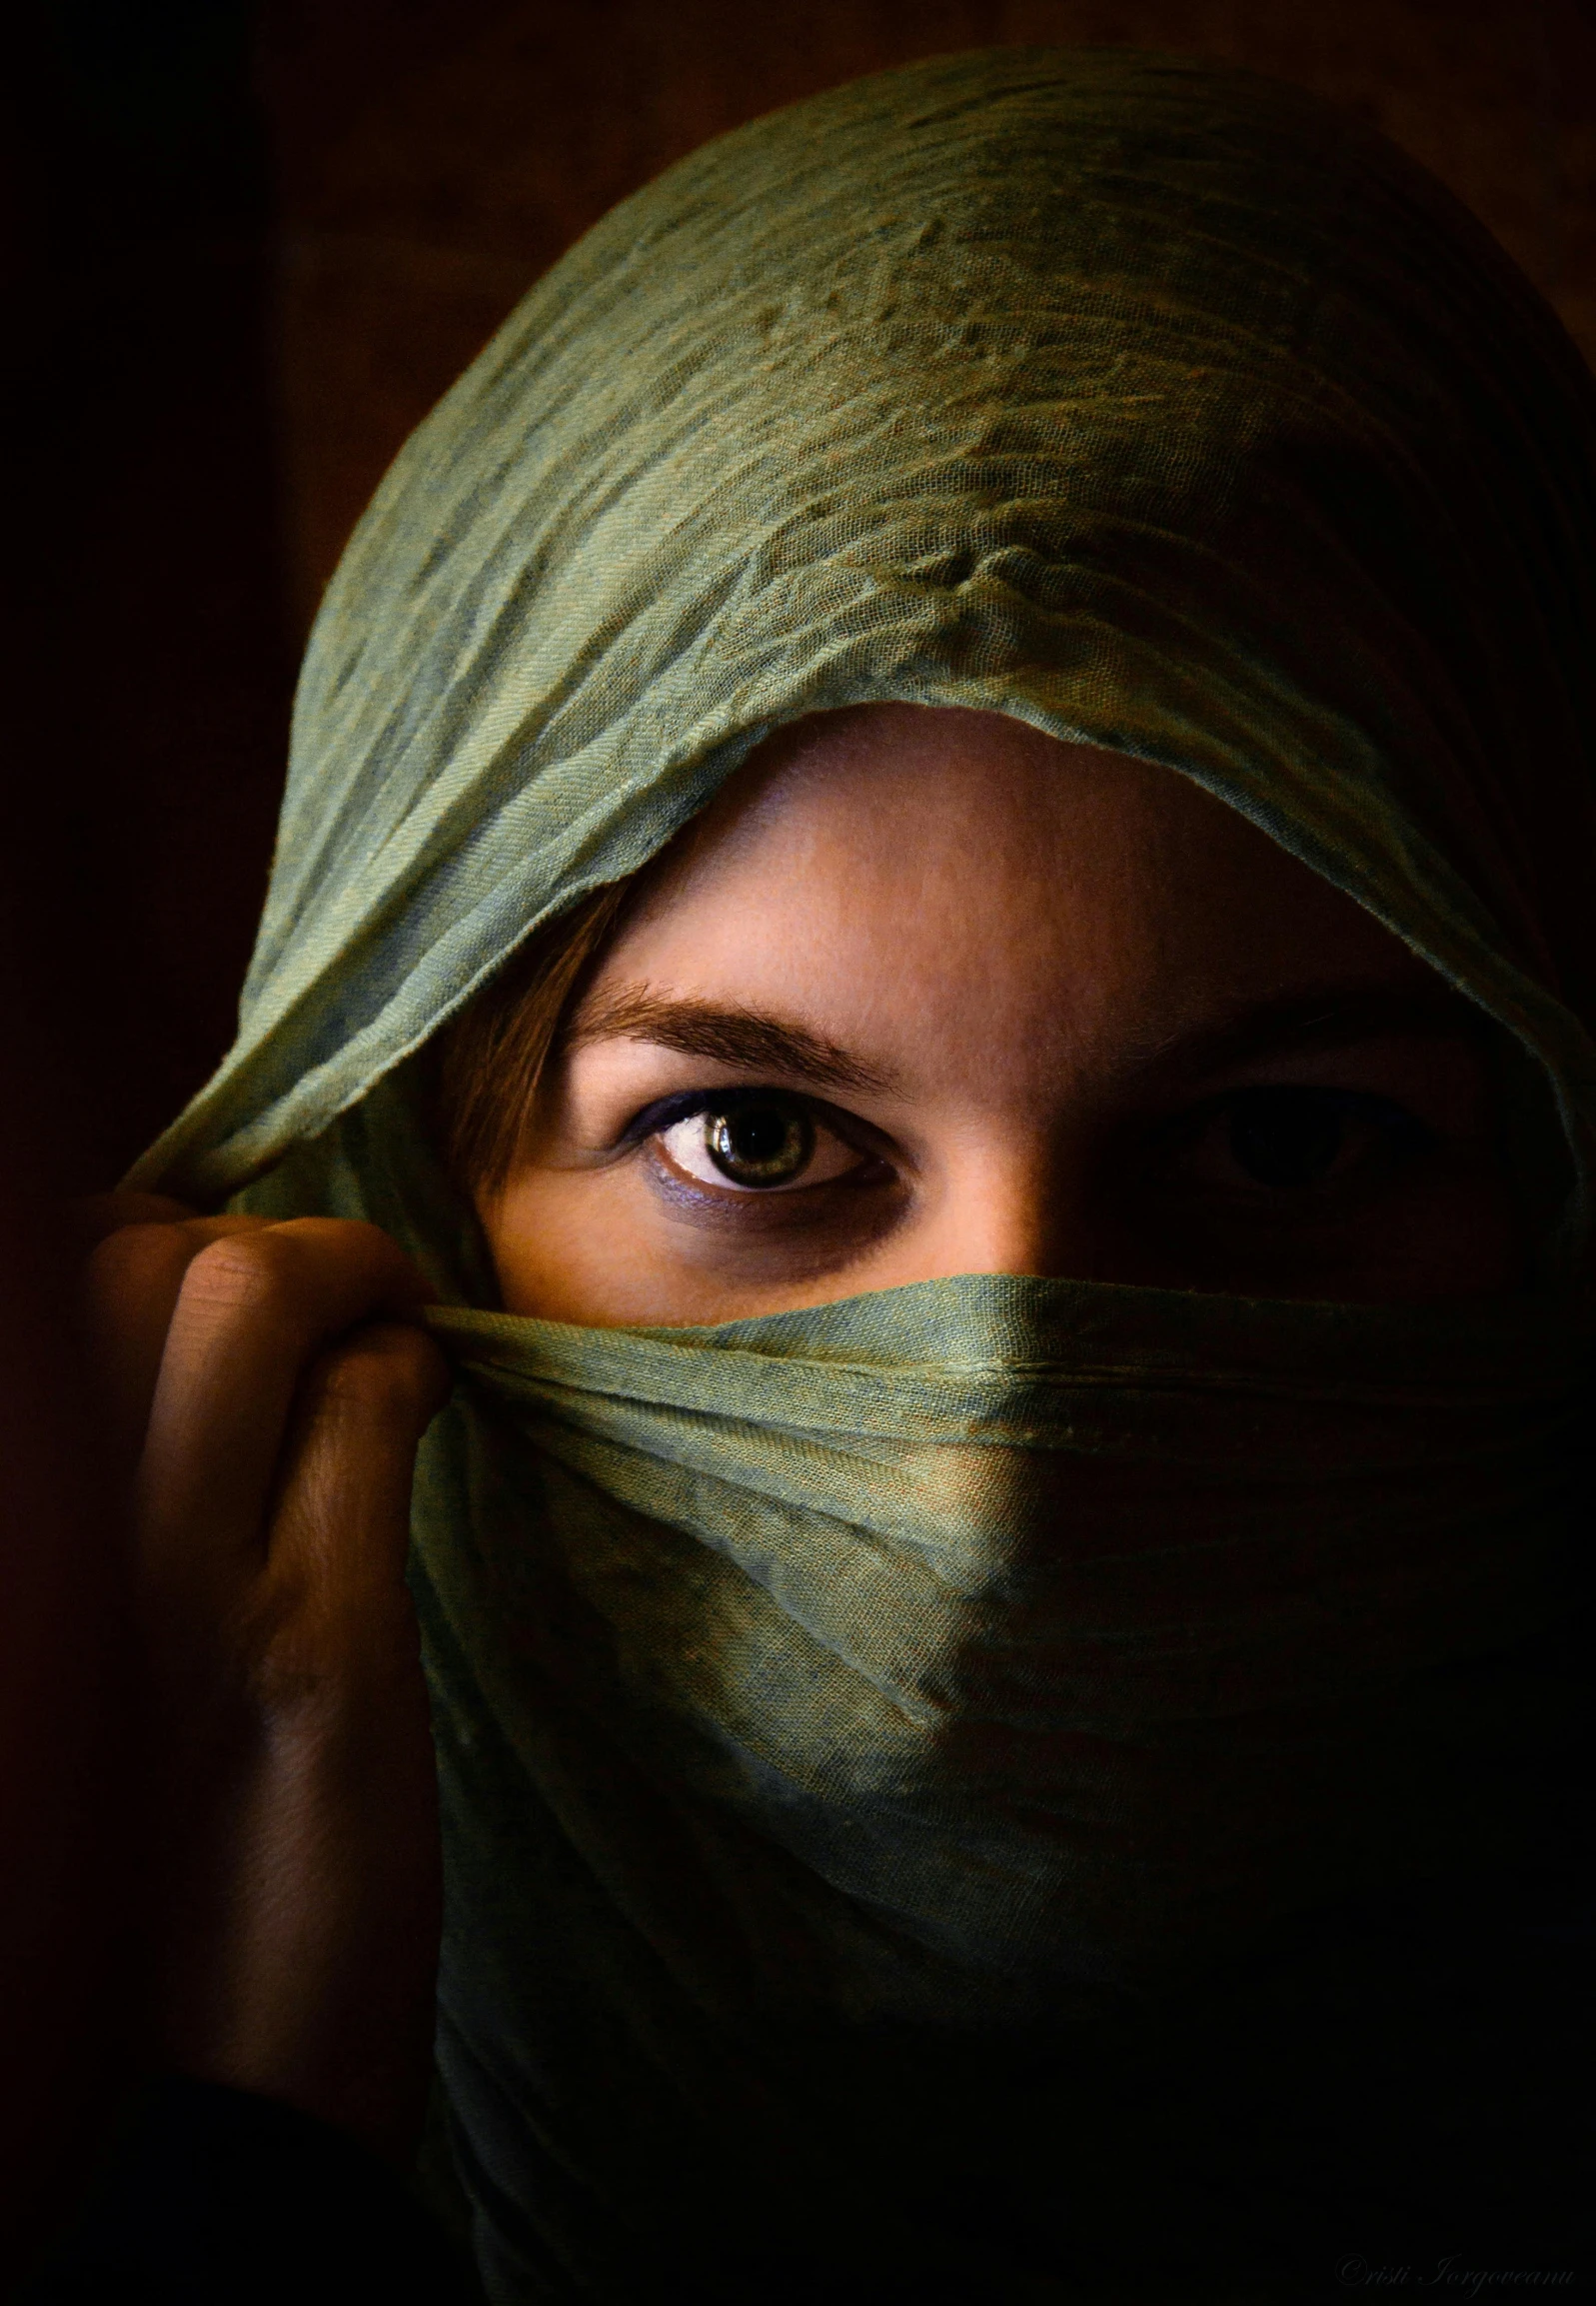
(887, 1751)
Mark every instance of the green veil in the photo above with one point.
(926, 1781)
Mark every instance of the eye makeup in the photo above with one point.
(754, 1139)
(1318, 1171)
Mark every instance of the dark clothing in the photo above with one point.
(208, 2194)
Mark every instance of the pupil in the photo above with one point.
(1286, 1138)
(757, 1136)
(760, 1144)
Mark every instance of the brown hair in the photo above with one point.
(492, 1057)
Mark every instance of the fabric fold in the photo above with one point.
(1006, 1788)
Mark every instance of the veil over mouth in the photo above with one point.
(841, 1723)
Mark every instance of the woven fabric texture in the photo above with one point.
(965, 1792)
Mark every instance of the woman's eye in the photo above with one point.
(1300, 1140)
(757, 1142)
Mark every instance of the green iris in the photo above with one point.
(761, 1141)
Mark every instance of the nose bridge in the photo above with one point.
(1013, 1199)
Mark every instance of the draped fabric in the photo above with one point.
(1151, 404)
(1003, 1788)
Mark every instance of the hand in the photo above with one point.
(268, 1390)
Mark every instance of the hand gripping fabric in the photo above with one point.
(1007, 1787)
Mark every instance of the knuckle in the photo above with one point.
(335, 1232)
(349, 1240)
(391, 1375)
(242, 1273)
(312, 1638)
(135, 1260)
(289, 1671)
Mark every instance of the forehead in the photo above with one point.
(961, 862)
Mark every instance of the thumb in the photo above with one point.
(340, 1531)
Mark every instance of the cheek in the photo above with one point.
(542, 1236)
(1464, 1239)
(1456, 1233)
(584, 1246)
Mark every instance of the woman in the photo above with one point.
(935, 872)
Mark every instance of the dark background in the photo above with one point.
(252, 247)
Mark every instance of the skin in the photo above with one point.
(267, 1391)
(1116, 965)
(1012, 991)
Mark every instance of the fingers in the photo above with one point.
(290, 1825)
(132, 1287)
(98, 1214)
(334, 1589)
(253, 1310)
(301, 1951)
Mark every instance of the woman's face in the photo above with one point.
(928, 993)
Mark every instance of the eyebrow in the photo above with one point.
(757, 1042)
(1335, 1016)
(748, 1038)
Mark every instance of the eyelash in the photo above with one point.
(656, 1121)
(1403, 1136)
